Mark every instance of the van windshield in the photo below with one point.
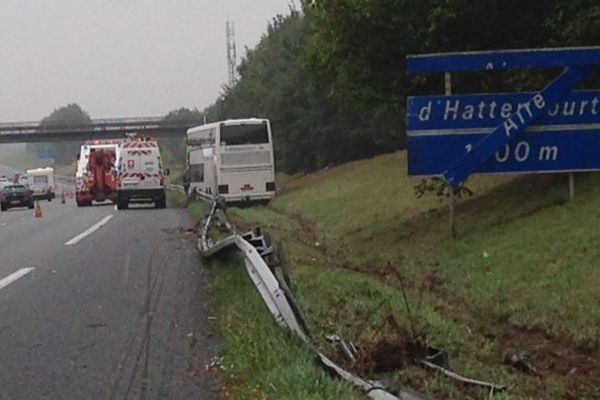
(244, 134)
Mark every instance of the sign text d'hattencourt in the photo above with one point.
(556, 129)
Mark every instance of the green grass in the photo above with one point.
(541, 269)
(261, 360)
(176, 198)
(522, 276)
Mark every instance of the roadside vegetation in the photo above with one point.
(512, 300)
(259, 359)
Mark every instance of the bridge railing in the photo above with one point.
(35, 131)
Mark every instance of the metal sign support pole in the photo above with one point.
(452, 192)
(571, 186)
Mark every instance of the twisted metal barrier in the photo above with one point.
(254, 248)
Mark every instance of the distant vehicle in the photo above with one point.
(96, 176)
(14, 195)
(41, 183)
(141, 175)
(4, 181)
(232, 159)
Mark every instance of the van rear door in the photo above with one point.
(140, 169)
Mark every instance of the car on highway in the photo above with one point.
(15, 195)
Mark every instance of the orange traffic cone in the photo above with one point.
(38, 210)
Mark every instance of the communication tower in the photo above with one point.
(231, 52)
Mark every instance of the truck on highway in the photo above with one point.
(96, 176)
(41, 183)
(232, 160)
(141, 176)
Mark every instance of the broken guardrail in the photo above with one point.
(280, 302)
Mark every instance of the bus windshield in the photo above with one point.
(244, 134)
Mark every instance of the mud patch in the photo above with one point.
(388, 356)
(553, 357)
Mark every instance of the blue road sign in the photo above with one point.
(46, 153)
(551, 130)
(504, 59)
(536, 150)
(474, 111)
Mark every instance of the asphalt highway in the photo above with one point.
(97, 303)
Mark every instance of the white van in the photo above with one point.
(233, 160)
(140, 173)
(41, 183)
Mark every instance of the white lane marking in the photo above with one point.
(89, 231)
(14, 276)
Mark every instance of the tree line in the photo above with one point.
(332, 75)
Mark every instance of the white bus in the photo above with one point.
(232, 159)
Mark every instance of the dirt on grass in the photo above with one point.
(537, 356)
(548, 357)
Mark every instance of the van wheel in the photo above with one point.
(122, 205)
(161, 203)
(3, 207)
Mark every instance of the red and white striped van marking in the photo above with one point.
(139, 144)
(139, 152)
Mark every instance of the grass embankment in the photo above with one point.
(521, 281)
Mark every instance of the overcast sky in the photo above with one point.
(120, 58)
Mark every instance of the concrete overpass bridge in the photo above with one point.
(112, 128)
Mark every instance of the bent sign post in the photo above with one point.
(553, 130)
